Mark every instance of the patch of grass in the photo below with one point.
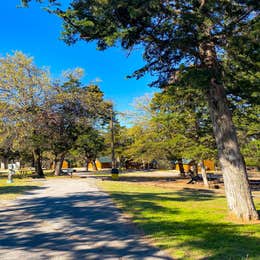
(190, 224)
(18, 187)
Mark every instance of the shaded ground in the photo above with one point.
(69, 219)
(170, 179)
(11, 191)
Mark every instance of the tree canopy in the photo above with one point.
(39, 114)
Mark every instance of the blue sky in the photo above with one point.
(36, 33)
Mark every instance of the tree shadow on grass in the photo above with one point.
(185, 194)
(16, 189)
(137, 178)
(215, 239)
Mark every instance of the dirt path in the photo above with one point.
(69, 219)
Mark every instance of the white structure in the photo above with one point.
(17, 165)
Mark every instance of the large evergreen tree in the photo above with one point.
(183, 41)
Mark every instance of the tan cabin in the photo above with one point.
(104, 162)
(65, 165)
(209, 165)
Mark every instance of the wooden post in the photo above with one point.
(112, 138)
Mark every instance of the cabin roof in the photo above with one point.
(185, 161)
(105, 159)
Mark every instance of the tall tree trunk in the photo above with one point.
(195, 165)
(181, 168)
(239, 197)
(113, 158)
(33, 161)
(5, 161)
(58, 164)
(119, 162)
(238, 193)
(87, 162)
(38, 162)
(204, 174)
(94, 165)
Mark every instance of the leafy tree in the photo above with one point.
(90, 143)
(6, 142)
(120, 142)
(141, 142)
(183, 119)
(72, 111)
(24, 89)
(246, 119)
(184, 41)
(34, 109)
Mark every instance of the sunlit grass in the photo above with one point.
(190, 224)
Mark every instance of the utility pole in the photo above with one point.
(114, 169)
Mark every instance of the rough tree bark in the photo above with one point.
(58, 164)
(5, 161)
(238, 193)
(239, 197)
(204, 174)
(38, 162)
(181, 168)
(195, 167)
(94, 165)
(87, 162)
(33, 161)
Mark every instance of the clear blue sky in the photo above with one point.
(36, 33)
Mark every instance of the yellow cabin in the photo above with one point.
(104, 162)
(65, 165)
(209, 165)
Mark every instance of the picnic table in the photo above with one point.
(210, 176)
(68, 171)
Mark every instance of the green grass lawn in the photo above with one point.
(190, 224)
(18, 187)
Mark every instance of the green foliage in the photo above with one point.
(246, 119)
(89, 144)
(24, 89)
(173, 34)
(33, 109)
(242, 65)
(178, 127)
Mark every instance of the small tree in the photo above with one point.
(73, 110)
(91, 143)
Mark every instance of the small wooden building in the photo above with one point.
(209, 165)
(65, 165)
(103, 162)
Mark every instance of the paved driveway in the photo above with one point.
(69, 219)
